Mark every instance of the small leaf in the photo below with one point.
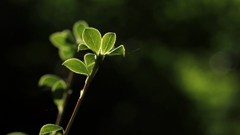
(89, 58)
(92, 38)
(59, 104)
(108, 42)
(90, 68)
(66, 54)
(17, 133)
(59, 40)
(82, 47)
(48, 80)
(48, 128)
(120, 50)
(78, 28)
(58, 89)
(59, 85)
(76, 66)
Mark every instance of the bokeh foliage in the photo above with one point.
(180, 74)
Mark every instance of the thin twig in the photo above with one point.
(83, 91)
(65, 97)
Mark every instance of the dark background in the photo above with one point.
(180, 75)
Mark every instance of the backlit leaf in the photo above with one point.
(59, 85)
(89, 58)
(48, 128)
(92, 38)
(76, 66)
(108, 42)
(82, 47)
(48, 80)
(60, 40)
(78, 28)
(66, 54)
(120, 50)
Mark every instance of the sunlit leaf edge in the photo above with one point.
(107, 47)
(42, 80)
(112, 52)
(76, 33)
(65, 63)
(95, 48)
(45, 128)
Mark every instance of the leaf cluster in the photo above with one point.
(69, 43)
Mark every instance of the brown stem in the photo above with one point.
(83, 91)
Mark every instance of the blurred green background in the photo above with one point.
(180, 75)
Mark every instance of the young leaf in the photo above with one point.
(82, 47)
(92, 38)
(65, 54)
(48, 80)
(59, 39)
(59, 104)
(17, 133)
(89, 58)
(59, 85)
(108, 42)
(76, 66)
(120, 50)
(78, 28)
(48, 128)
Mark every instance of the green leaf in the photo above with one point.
(120, 50)
(48, 128)
(78, 28)
(82, 47)
(59, 40)
(92, 38)
(108, 42)
(66, 54)
(48, 80)
(76, 66)
(58, 89)
(89, 60)
(59, 85)
(59, 104)
(17, 133)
